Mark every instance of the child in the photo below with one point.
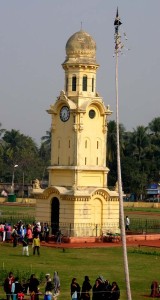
(25, 242)
(36, 245)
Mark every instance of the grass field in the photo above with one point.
(143, 263)
(143, 266)
(20, 211)
(142, 212)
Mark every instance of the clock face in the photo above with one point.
(64, 113)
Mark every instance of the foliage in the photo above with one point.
(139, 251)
(140, 157)
(23, 151)
(13, 214)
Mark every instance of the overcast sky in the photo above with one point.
(33, 35)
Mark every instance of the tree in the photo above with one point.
(112, 140)
(2, 131)
(154, 126)
(140, 142)
(45, 153)
(111, 157)
(21, 150)
(46, 139)
(45, 148)
(2, 167)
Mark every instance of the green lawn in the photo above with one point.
(13, 214)
(27, 213)
(144, 267)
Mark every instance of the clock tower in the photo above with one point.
(77, 199)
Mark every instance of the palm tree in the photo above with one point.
(46, 139)
(45, 148)
(13, 140)
(154, 126)
(21, 150)
(2, 131)
(140, 142)
(112, 140)
(45, 153)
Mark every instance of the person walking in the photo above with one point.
(127, 223)
(14, 235)
(46, 232)
(59, 236)
(36, 245)
(25, 243)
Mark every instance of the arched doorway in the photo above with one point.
(55, 215)
(96, 214)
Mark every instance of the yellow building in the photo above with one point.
(77, 199)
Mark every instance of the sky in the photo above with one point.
(33, 35)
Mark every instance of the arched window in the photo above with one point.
(97, 144)
(85, 160)
(66, 83)
(74, 83)
(69, 144)
(86, 144)
(97, 161)
(92, 84)
(84, 83)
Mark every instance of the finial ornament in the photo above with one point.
(117, 21)
(117, 36)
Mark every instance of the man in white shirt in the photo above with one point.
(127, 223)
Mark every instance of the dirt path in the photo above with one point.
(63, 246)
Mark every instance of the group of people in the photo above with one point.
(19, 230)
(101, 290)
(29, 234)
(16, 291)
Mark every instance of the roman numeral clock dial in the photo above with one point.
(64, 114)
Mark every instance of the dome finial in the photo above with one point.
(82, 47)
(81, 26)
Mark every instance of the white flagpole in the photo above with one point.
(118, 47)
